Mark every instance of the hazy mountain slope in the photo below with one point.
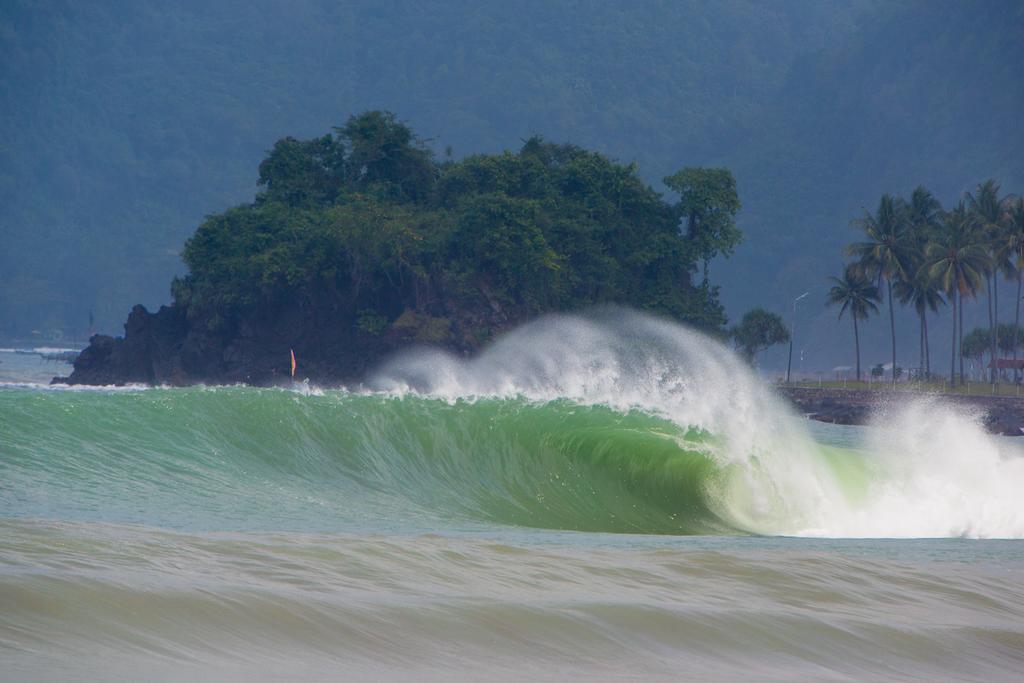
(914, 97)
(125, 124)
(128, 122)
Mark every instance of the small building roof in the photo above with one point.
(1008, 364)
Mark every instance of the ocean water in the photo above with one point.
(609, 496)
(24, 363)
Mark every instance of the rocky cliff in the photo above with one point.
(167, 348)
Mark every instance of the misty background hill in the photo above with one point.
(123, 125)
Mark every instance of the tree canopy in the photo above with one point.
(758, 330)
(364, 225)
(708, 204)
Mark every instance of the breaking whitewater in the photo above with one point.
(609, 495)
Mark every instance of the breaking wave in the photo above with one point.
(613, 422)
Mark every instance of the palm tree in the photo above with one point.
(855, 293)
(987, 209)
(884, 255)
(924, 216)
(924, 219)
(1013, 250)
(924, 293)
(956, 261)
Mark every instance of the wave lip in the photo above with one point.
(923, 470)
(611, 422)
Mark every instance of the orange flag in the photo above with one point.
(293, 363)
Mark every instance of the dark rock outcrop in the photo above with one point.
(1002, 414)
(163, 348)
(167, 347)
(148, 353)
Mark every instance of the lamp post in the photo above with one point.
(792, 332)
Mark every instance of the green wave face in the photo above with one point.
(551, 465)
(252, 458)
(613, 423)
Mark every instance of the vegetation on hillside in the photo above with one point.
(125, 122)
(758, 330)
(364, 225)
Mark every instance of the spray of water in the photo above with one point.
(924, 469)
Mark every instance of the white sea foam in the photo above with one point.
(42, 386)
(926, 469)
(40, 350)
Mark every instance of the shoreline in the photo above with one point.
(1004, 415)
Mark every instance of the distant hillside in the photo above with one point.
(126, 123)
(361, 243)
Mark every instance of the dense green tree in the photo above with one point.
(1007, 333)
(385, 157)
(856, 294)
(500, 247)
(302, 173)
(708, 204)
(364, 232)
(758, 330)
(976, 344)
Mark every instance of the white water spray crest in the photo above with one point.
(613, 357)
(92, 388)
(628, 361)
(929, 471)
(942, 475)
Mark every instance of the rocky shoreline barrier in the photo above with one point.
(1003, 414)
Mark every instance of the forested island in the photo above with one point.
(362, 242)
